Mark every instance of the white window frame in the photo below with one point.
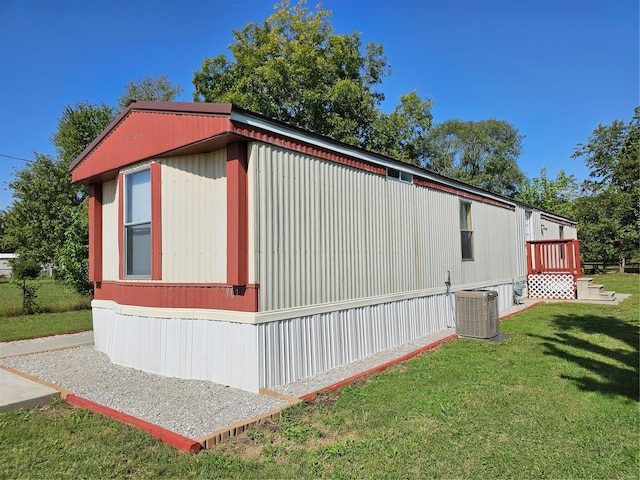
(130, 225)
(399, 175)
(466, 231)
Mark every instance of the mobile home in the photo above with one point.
(231, 247)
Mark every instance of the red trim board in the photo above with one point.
(121, 226)
(237, 214)
(165, 436)
(156, 221)
(214, 296)
(95, 232)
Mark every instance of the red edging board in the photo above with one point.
(164, 435)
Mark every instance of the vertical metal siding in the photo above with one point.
(297, 348)
(521, 241)
(221, 352)
(318, 230)
(329, 233)
(110, 230)
(194, 218)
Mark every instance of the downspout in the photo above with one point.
(451, 321)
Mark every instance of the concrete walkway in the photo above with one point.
(22, 391)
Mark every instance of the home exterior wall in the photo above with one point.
(110, 231)
(280, 256)
(328, 233)
(194, 218)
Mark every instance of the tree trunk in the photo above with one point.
(622, 264)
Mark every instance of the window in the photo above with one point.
(561, 228)
(466, 231)
(137, 224)
(398, 175)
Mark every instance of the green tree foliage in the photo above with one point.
(7, 244)
(609, 215)
(43, 222)
(553, 195)
(403, 133)
(295, 68)
(78, 127)
(73, 256)
(24, 268)
(40, 214)
(150, 88)
(482, 153)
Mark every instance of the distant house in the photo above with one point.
(5, 266)
(231, 247)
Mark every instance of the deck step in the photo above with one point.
(587, 290)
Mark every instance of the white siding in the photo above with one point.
(521, 242)
(328, 233)
(222, 352)
(110, 232)
(194, 218)
(301, 347)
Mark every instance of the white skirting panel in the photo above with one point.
(301, 347)
(222, 352)
(252, 356)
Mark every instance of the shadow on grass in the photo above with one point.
(613, 371)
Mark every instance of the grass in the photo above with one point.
(52, 297)
(557, 399)
(44, 324)
(61, 311)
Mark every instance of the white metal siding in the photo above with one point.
(521, 242)
(301, 347)
(494, 242)
(327, 233)
(110, 232)
(222, 352)
(194, 218)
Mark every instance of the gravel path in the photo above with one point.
(192, 408)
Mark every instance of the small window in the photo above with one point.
(466, 231)
(398, 175)
(137, 224)
(561, 228)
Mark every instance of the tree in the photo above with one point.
(295, 68)
(149, 88)
(78, 127)
(73, 256)
(403, 133)
(39, 216)
(482, 153)
(554, 195)
(609, 217)
(24, 268)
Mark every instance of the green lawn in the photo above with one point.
(557, 399)
(51, 297)
(61, 311)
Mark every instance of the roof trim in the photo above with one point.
(258, 121)
(297, 134)
(165, 107)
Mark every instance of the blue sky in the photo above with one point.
(553, 68)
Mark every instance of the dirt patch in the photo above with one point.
(57, 410)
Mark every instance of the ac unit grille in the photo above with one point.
(477, 313)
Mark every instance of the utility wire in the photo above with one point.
(16, 158)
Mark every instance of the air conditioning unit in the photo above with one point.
(477, 313)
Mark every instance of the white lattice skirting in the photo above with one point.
(560, 286)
